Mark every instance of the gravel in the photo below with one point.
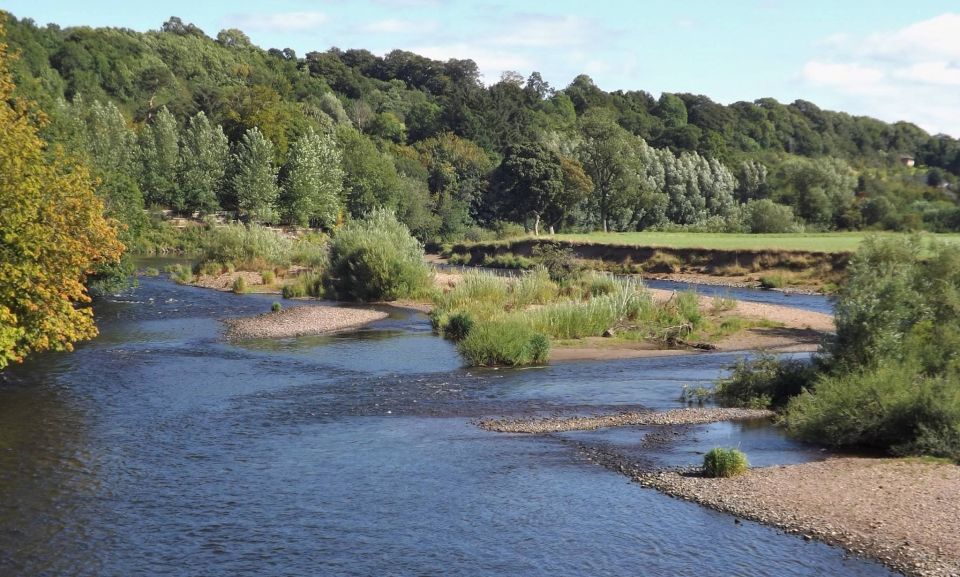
(903, 512)
(693, 416)
(299, 321)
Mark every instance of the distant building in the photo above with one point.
(907, 160)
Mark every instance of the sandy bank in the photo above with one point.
(904, 513)
(693, 416)
(299, 321)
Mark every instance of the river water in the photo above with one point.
(160, 449)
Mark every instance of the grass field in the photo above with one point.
(814, 242)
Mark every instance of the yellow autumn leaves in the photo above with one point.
(52, 233)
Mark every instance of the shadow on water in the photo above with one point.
(160, 449)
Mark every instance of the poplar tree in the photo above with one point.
(160, 160)
(255, 178)
(314, 181)
(204, 158)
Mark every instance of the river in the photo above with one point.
(160, 449)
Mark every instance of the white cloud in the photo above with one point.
(490, 61)
(541, 31)
(907, 74)
(850, 77)
(396, 26)
(279, 21)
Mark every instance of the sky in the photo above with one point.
(891, 60)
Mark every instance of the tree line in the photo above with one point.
(176, 119)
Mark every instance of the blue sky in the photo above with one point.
(892, 60)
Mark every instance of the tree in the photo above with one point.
(54, 233)
(160, 160)
(531, 178)
(314, 181)
(255, 178)
(370, 176)
(603, 152)
(204, 158)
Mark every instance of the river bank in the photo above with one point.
(902, 512)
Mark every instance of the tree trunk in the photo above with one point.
(536, 224)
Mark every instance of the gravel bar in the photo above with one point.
(902, 512)
(300, 321)
(693, 416)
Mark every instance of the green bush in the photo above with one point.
(724, 463)
(267, 277)
(276, 307)
(458, 258)
(376, 259)
(504, 342)
(763, 382)
(559, 260)
(773, 281)
(892, 407)
(458, 327)
(151, 271)
(240, 285)
(305, 284)
(508, 260)
(766, 216)
(181, 274)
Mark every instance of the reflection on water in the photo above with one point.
(160, 449)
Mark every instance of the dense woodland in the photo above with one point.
(174, 119)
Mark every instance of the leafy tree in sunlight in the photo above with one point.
(52, 234)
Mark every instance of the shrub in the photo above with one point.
(662, 262)
(892, 407)
(459, 258)
(181, 274)
(458, 327)
(773, 281)
(267, 277)
(151, 271)
(509, 342)
(508, 260)
(724, 463)
(376, 258)
(276, 307)
(210, 268)
(239, 285)
(766, 216)
(559, 261)
(764, 382)
(306, 284)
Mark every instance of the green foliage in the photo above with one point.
(267, 277)
(251, 247)
(764, 382)
(773, 281)
(151, 271)
(313, 183)
(559, 261)
(305, 284)
(458, 326)
(240, 285)
(204, 157)
(506, 260)
(719, 462)
(892, 406)
(255, 178)
(766, 216)
(504, 342)
(376, 258)
(276, 307)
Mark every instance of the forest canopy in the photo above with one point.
(178, 119)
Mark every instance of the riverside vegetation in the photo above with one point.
(890, 379)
